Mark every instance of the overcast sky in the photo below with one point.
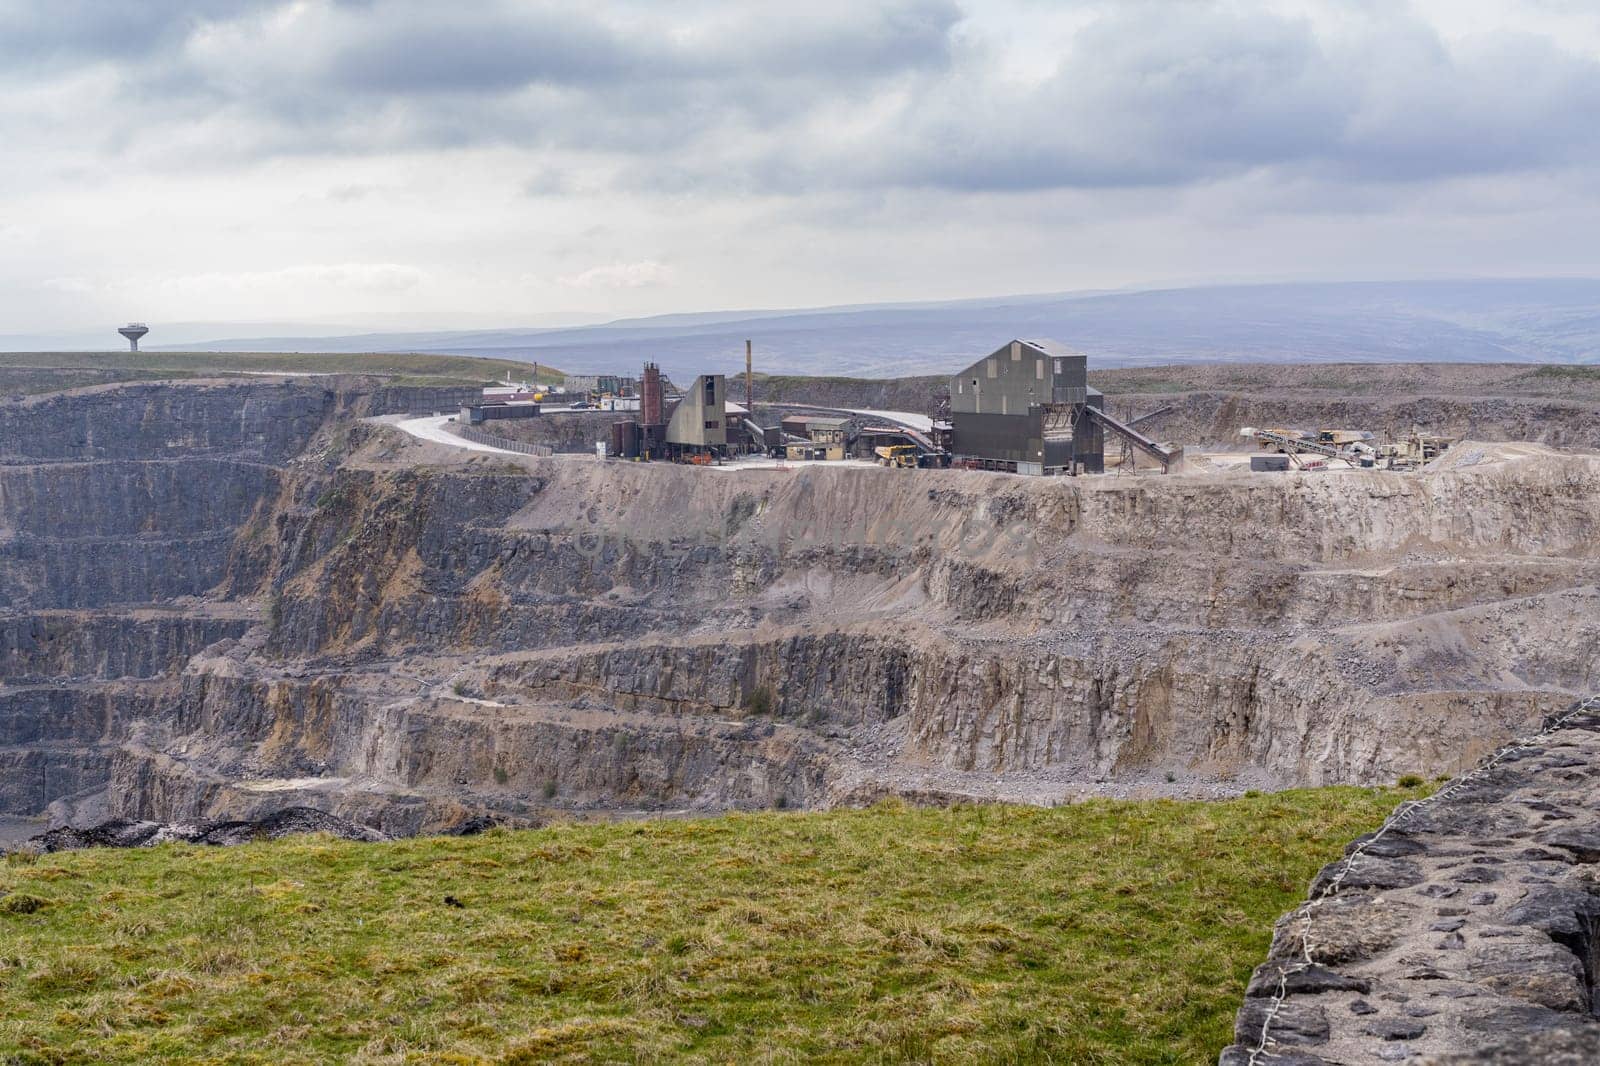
(505, 160)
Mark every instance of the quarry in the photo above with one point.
(238, 606)
(915, 533)
(222, 597)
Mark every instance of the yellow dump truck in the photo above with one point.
(901, 455)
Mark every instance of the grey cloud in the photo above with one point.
(64, 30)
(405, 74)
(454, 49)
(1514, 103)
(1152, 95)
(850, 96)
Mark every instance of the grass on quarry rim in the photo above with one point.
(413, 365)
(1103, 932)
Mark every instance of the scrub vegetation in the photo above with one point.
(1103, 932)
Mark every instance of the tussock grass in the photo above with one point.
(1107, 932)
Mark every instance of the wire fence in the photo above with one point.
(1308, 910)
(478, 436)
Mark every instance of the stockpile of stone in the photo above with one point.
(1466, 931)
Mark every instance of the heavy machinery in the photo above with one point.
(1290, 441)
(903, 456)
(1348, 445)
(1411, 452)
(1323, 442)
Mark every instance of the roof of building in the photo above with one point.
(1047, 348)
(1054, 349)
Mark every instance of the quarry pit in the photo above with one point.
(219, 598)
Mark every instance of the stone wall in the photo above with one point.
(1466, 930)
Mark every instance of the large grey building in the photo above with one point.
(1023, 408)
(700, 421)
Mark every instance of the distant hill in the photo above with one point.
(1532, 321)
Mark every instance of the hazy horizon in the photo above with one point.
(171, 336)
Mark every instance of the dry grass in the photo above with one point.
(1099, 933)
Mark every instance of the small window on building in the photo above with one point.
(994, 367)
(1039, 366)
(974, 382)
(713, 425)
(1058, 366)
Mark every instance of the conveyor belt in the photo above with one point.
(1291, 445)
(1167, 457)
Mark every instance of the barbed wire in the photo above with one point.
(1307, 911)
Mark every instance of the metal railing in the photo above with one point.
(478, 436)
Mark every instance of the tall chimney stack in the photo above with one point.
(651, 411)
(749, 383)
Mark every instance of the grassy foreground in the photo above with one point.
(1107, 932)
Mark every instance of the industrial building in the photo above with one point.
(795, 426)
(1027, 407)
(697, 427)
(475, 414)
(700, 421)
(815, 436)
(1023, 408)
(601, 384)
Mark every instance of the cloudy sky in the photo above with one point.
(506, 160)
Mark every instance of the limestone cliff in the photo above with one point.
(220, 598)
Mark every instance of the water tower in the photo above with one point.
(133, 331)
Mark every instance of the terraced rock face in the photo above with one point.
(289, 606)
(1468, 931)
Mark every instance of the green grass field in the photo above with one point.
(94, 367)
(1106, 932)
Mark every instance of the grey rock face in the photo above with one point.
(123, 833)
(1508, 975)
(1581, 841)
(1271, 977)
(217, 599)
(1298, 1023)
(1561, 1047)
(268, 422)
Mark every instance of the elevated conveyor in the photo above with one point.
(1167, 457)
(1289, 444)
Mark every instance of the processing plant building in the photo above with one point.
(1025, 407)
(699, 422)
